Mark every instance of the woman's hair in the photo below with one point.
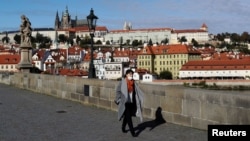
(128, 71)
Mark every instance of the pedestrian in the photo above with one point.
(129, 99)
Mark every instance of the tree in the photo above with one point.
(62, 38)
(99, 42)
(70, 40)
(5, 39)
(166, 75)
(245, 37)
(121, 41)
(235, 37)
(150, 43)
(108, 42)
(128, 42)
(17, 38)
(195, 43)
(135, 43)
(39, 38)
(165, 41)
(182, 39)
(78, 40)
(85, 41)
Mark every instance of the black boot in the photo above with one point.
(133, 134)
(124, 130)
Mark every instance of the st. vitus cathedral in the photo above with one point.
(66, 21)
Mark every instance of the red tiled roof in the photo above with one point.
(10, 58)
(74, 50)
(125, 53)
(73, 72)
(169, 49)
(188, 31)
(217, 65)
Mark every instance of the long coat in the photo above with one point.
(122, 96)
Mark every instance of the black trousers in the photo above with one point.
(127, 117)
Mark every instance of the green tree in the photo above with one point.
(165, 41)
(182, 39)
(99, 42)
(121, 41)
(166, 75)
(70, 40)
(245, 37)
(235, 37)
(78, 40)
(17, 39)
(194, 42)
(62, 38)
(150, 43)
(135, 43)
(5, 39)
(127, 42)
(85, 41)
(108, 42)
(39, 38)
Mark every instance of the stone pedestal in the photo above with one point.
(26, 62)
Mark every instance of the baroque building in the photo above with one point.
(66, 22)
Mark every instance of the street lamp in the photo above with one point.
(91, 18)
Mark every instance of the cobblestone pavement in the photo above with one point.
(28, 116)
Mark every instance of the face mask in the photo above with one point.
(130, 78)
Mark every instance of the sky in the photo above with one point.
(232, 16)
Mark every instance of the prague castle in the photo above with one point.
(66, 21)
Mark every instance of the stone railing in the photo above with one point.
(190, 107)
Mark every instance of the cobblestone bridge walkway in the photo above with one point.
(28, 116)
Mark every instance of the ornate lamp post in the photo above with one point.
(91, 18)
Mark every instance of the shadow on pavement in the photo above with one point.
(151, 124)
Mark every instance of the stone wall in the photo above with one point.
(190, 107)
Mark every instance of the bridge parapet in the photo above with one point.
(192, 107)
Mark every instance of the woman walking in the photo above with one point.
(129, 98)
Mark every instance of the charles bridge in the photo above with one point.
(180, 105)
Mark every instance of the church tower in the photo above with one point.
(66, 20)
(57, 21)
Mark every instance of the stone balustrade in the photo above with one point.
(192, 107)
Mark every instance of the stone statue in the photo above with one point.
(25, 29)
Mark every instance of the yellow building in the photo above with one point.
(166, 57)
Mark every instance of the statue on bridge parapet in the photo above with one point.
(25, 29)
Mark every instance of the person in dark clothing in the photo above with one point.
(129, 99)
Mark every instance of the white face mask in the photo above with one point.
(130, 78)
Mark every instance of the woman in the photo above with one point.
(129, 98)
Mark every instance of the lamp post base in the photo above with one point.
(91, 72)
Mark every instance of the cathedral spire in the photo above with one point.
(57, 21)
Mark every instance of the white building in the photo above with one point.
(148, 77)
(215, 69)
(200, 35)
(122, 36)
(113, 70)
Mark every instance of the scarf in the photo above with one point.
(130, 84)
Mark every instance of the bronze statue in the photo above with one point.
(25, 29)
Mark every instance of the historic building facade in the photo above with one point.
(166, 58)
(66, 21)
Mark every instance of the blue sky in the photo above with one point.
(220, 15)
